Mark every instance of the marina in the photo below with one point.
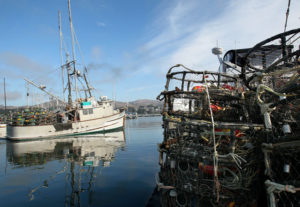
(223, 130)
(87, 170)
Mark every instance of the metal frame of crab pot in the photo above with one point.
(186, 154)
(241, 120)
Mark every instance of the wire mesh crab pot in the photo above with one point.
(282, 168)
(229, 100)
(215, 124)
(187, 162)
(267, 62)
(210, 140)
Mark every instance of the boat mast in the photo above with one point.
(69, 81)
(73, 48)
(61, 56)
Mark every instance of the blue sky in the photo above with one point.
(128, 46)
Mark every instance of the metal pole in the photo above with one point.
(87, 84)
(287, 15)
(61, 56)
(69, 82)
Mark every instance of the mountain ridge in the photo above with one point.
(119, 104)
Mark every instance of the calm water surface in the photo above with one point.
(116, 169)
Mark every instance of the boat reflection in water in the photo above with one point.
(84, 156)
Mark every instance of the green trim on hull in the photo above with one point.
(98, 132)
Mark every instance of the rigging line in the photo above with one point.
(84, 89)
(287, 15)
(80, 52)
(291, 37)
(73, 79)
(64, 44)
(81, 84)
(49, 72)
(81, 56)
(98, 92)
(295, 40)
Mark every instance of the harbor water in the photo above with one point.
(115, 169)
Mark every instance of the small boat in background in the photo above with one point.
(131, 115)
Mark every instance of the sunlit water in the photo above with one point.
(116, 169)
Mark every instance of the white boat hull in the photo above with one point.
(97, 125)
(2, 130)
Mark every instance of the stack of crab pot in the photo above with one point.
(272, 70)
(224, 132)
(209, 141)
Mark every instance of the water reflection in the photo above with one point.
(83, 159)
(144, 123)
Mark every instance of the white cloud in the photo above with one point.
(17, 66)
(101, 24)
(96, 53)
(11, 96)
(240, 24)
(21, 62)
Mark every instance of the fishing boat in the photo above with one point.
(83, 115)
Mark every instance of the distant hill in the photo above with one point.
(119, 104)
(140, 102)
(7, 107)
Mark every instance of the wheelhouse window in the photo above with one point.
(87, 111)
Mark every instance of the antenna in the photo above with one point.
(61, 56)
(287, 15)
